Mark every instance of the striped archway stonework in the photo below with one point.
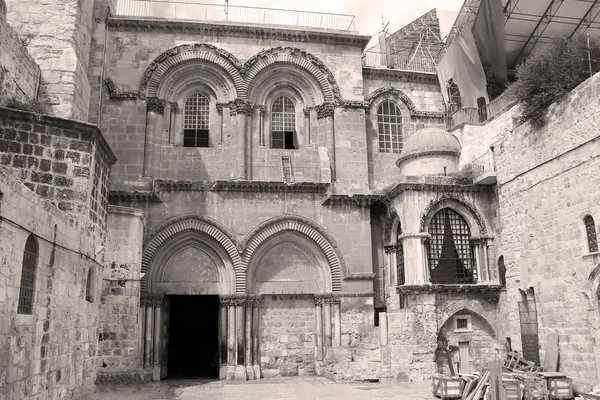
(180, 54)
(201, 225)
(296, 57)
(302, 226)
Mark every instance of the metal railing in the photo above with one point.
(190, 10)
(483, 163)
(484, 113)
(275, 173)
(395, 61)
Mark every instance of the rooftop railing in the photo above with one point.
(483, 113)
(395, 61)
(189, 10)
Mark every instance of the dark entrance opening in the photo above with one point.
(194, 337)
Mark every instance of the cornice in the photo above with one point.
(367, 276)
(221, 28)
(179, 185)
(401, 75)
(128, 196)
(488, 289)
(358, 200)
(431, 187)
(262, 186)
(425, 153)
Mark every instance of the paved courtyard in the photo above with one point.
(304, 388)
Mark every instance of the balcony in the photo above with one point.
(484, 171)
(189, 10)
(480, 115)
(399, 62)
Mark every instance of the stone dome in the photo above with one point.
(430, 141)
(430, 151)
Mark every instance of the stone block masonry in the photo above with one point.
(63, 161)
(19, 73)
(58, 36)
(51, 352)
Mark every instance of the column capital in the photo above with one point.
(156, 105)
(318, 301)
(152, 301)
(220, 107)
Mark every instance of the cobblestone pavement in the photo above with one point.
(304, 388)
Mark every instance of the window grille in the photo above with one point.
(196, 121)
(26, 291)
(389, 126)
(451, 256)
(400, 257)
(462, 323)
(590, 229)
(283, 124)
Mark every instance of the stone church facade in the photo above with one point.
(249, 201)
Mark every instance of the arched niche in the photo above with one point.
(281, 76)
(288, 263)
(476, 223)
(190, 263)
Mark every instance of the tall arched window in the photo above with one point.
(389, 127)
(26, 290)
(283, 124)
(451, 256)
(196, 121)
(590, 230)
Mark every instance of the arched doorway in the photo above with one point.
(187, 273)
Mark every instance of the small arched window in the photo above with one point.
(26, 290)
(283, 124)
(90, 285)
(389, 127)
(196, 121)
(590, 230)
(451, 256)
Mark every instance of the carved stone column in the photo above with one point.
(248, 359)
(223, 338)
(231, 343)
(337, 322)
(307, 124)
(155, 108)
(242, 112)
(415, 258)
(256, 338)
(240, 308)
(156, 339)
(172, 119)
(148, 334)
(261, 124)
(319, 328)
(327, 320)
(220, 112)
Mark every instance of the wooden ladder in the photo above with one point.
(286, 166)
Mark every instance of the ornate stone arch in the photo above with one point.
(307, 228)
(468, 211)
(591, 287)
(184, 53)
(403, 97)
(205, 225)
(296, 57)
(390, 227)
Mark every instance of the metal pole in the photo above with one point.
(589, 53)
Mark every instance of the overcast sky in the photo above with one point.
(368, 12)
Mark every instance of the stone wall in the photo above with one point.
(58, 36)
(50, 353)
(119, 352)
(63, 161)
(548, 181)
(287, 331)
(19, 74)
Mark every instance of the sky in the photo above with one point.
(368, 12)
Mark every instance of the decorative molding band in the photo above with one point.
(129, 196)
(325, 110)
(117, 94)
(405, 99)
(357, 104)
(204, 225)
(492, 289)
(406, 157)
(357, 200)
(401, 75)
(306, 227)
(179, 185)
(156, 105)
(221, 29)
(367, 276)
(264, 186)
(152, 301)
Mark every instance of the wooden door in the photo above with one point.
(464, 366)
(529, 331)
(164, 345)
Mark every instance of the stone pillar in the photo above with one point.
(337, 322)
(261, 125)
(415, 258)
(142, 332)
(307, 125)
(156, 340)
(240, 369)
(383, 329)
(148, 335)
(319, 329)
(172, 119)
(220, 112)
(231, 344)
(223, 339)
(255, 339)
(248, 358)
(239, 111)
(327, 321)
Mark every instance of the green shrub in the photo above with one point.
(550, 73)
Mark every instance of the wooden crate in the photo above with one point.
(511, 388)
(535, 389)
(590, 396)
(560, 388)
(447, 387)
